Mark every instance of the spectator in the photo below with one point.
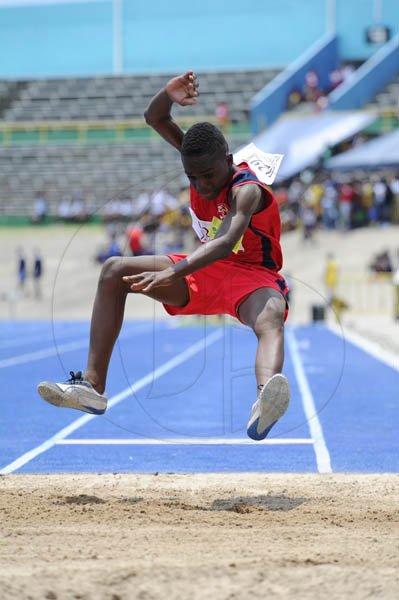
(322, 102)
(150, 224)
(386, 213)
(367, 194)
(295, 192)
(111, 249)
(382, 263)
(331, 277)
(37, 274)
(347, 71)
(358, 212)
(311, 91)
(336, 78)
(135, 236)
(394, 186)
(222, 114)
(294, 99)
(314, 194)
(345, 205)
(141, 205)
(329, 208)
(64, 212)
(78, 213)
(21, 269)
(309, 220)
(380, 198)
(281, 195)
(40, 208)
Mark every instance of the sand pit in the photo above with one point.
(240, 536)
(200, 537)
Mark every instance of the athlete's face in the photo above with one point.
(208, 174)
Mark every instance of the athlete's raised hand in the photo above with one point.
(183, 89)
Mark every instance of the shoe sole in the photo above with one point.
(53, 395)
(274, 399)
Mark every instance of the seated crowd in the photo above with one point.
(160, 222)
(339, 201)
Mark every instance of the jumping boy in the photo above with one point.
(234, 271)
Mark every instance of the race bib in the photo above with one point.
(206, 230)
(200, 227)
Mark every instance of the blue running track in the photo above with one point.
(180, 397)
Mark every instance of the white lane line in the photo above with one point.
(57, 349)
(184, 441)
(44, 353)
(26, 340)
(316, 432)
(135, 387)
(14, 336)
(59, 334)
(372, 348)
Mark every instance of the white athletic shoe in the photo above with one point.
(272, 402)
(74, 393)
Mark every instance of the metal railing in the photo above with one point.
(366, 292)
(46, 131)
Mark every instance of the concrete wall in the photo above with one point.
(171, 35)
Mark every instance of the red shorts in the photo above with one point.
(221, 287)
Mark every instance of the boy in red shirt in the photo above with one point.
(234, 271)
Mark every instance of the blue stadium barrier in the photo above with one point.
(271, 101)
(362, 86)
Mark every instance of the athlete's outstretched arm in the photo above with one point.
(180, 90)
(246, 200)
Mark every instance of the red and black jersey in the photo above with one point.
(260, 245)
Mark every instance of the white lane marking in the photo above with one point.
(372, 348)
(72, 330)
(135, 387)
(44, 353)
(57, 349)
(316, 431)
(60, 333)
(184, 441)
(26, 340)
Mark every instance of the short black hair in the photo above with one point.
(203, 138)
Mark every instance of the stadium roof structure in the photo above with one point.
(376, 154)
(303, 139)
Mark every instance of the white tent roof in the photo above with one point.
(381, 152)
(304, 139)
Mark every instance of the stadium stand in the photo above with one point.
(387, 98)
(102, 168)
(127, 97)
(9, 91)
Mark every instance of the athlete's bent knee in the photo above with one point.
(271, 317)
(111, 269)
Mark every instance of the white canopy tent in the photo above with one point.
(378, 153)
(303, 139)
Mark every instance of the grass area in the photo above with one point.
(18, 224)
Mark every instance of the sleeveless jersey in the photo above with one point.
(260, 245)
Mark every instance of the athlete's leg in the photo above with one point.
(263, 311)
(109, 306)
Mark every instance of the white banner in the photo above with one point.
(264, 165)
